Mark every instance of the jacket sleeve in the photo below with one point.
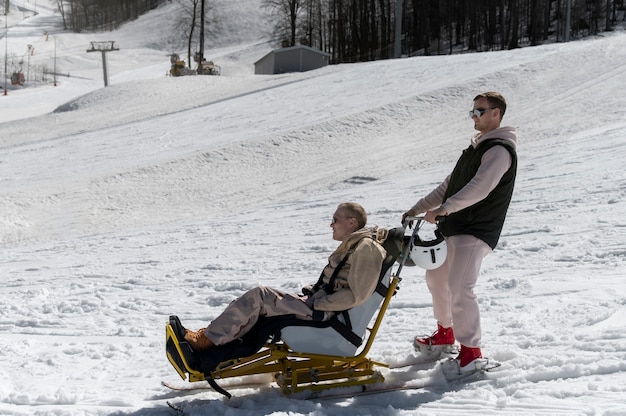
(433, 199)
(365, 265)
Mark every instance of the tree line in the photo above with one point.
(363, 30)
(92, 15)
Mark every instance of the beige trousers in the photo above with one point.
(452, 288)
(242, 313)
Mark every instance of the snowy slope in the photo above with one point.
(155, 196)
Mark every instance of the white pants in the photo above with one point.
(452, 288)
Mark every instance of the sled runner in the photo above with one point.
(301, 355)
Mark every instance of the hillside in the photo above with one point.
(155, 196)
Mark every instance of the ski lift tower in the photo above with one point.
(6, 45)
(201, 46)
(104, 47)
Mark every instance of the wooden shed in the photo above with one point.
(292, 59)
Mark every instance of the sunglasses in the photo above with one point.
(336, 219)
(479, 112)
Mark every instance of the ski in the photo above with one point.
(366, 390)
(422, 360)
(452, 370)
(449, 367)
(206, 386)
(186, 387)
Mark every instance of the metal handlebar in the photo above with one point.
(405, 253)
(409, 220)
(420, 219)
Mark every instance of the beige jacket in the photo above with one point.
(355, 282)
(358, 277)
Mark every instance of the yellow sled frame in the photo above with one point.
(294, 371)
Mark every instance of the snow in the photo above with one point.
(155, 196)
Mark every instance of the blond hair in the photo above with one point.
(355, 211)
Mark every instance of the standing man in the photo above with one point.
(470, 205)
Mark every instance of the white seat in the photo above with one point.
(327, 341)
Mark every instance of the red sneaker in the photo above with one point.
(442, 337)
(467, 355)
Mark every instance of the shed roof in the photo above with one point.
(290, 48)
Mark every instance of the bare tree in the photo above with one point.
(285, 14)
(188, 25)
(62, 11)
(102, 14)
(187, 22)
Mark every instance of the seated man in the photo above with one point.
(348, 280)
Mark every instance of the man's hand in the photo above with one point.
(431, 216)
(409, 213)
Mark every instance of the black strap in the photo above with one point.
(329, 287)
(217, 387)
(381, 289)
(346, 318)
(319, 282)
(345, 329)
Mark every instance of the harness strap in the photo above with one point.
(381, 289)
(345, 330)
(330, 286)
(217, 387)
